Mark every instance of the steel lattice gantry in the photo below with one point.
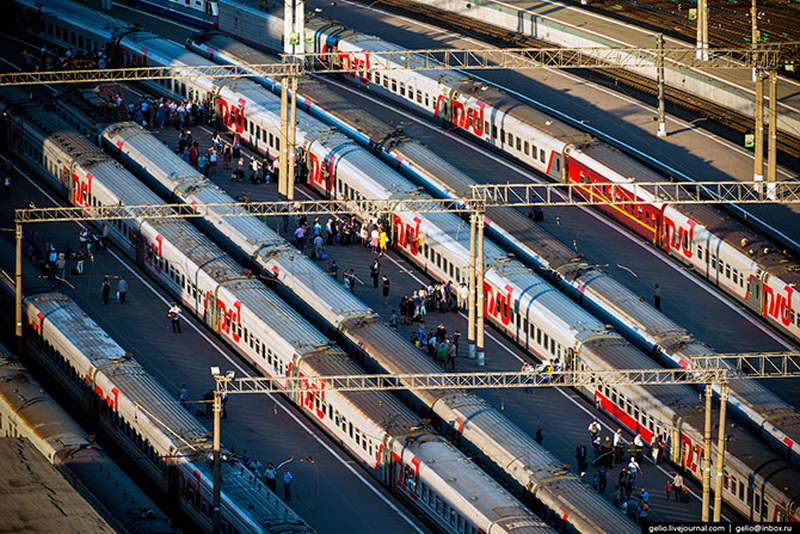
(767, 57)
(483, 196)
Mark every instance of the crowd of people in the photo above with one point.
(49, 59)
(611, 451)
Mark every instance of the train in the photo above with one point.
(548, 323)
(584, 282)
(199, 13)
(750, 267)
(29, 412)
(385, 437)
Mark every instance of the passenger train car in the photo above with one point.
(27, 411)
(385, 437)
(747, 266)
(201, 13)
(606, 298)
(523, 305)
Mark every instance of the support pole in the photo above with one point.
(283, 152)
(707, 456)
(720, 461)
(292, 131)
(754, 33)
(18, 288)
(662, 123)
(217, 468)
(479, 266)
(758, 156)
(473, 219)
(702, 30)
(772, 144)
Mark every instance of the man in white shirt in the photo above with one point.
(174, 315)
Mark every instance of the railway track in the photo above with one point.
(701, 108)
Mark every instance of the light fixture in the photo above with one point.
(215, 371)
(229, 374)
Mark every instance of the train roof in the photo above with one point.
(74, 14)
(72, 326)
(37, 497)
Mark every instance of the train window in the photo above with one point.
(538, 337)
(727, 270)
(527, 148)
(511, 140)
(458, 273)
(541, 155)
(394, 85)
(519, 144)
(377, 77)
(494, 131)
(427, 101)
(741, 491)
(350, 428)
(419, 96)
(444, 264)
(757, 503)
(402, 89)
(765, 508)
(713, 262)
(735, 276)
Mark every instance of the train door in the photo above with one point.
(755, 290)
(211, 311)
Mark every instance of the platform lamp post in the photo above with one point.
(217, 460)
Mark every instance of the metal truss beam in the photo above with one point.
(575, 194)
(754, 364)
(484, 196)
(241, 209)
(765, 57)
(490, 380)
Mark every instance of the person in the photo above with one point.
(677, 486)
(352, 275)
(382, 240)
(174, 315)
(538, 436)
(246, 458)
(224, 401)
(104, 236)
(287, 484)
(463, 295)
(300, 237)
(375, 272)
(122, 290)
(318, 252)
(657, 297)
(183, 396)
(385, 283)
(602, 479)
(594, 428)
(633, 469)
(638, 443)
(451, 357)
(270, 477)
(456, 338)
(256, 466)
(61, 264)
(441, 354)
(105, 289)
(642, 511)
(619, 446)
(393, 321)
(657, 445)
(333, 269)
(580, 457)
